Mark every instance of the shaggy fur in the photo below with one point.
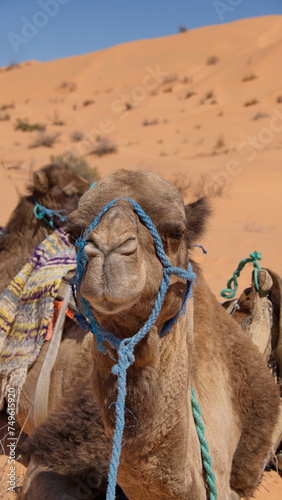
(57, 188)
(239, 401)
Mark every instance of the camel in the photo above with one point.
(205, 351)
(55, 187)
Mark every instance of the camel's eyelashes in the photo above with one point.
(128, 247)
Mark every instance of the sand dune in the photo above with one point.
(204, 106)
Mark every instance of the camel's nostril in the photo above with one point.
(91, 249)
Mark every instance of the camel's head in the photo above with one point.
(123, 272)
(56, 185)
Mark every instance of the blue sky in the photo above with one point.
(50, 29)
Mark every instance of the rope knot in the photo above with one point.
(125, 358)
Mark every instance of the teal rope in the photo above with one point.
(232, 284)
(207, 461)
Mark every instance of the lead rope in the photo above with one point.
(125, 347)
(207, 461)
(232, 284)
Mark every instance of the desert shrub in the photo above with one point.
(147, 123)
(205, 185)
(209, 94)
(190, 94)
(67, 86)
(76, 136)
(182, 29)
(25, 126)
(182, 183)
(43, 139)
(251, 102)
(249, 77)
(279, 99)
(4, 107)
(170, 78)
(4, 118)
(220, 143)
(77, 163)
(103, 147)
(128, 106)
(260, 115)
(212, 60)
(55, 119)
(88, 102)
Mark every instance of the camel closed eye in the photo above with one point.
(128, 247)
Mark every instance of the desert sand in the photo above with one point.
(202, 108)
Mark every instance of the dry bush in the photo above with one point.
(4, 107)
(251, 102)
(190, 94)
(147, 123)
(76, 136)
(67, 86)
(205, 185)
(212, 60)
(182, 29)
(253, 228)
(168, 89)
(260, 115)
(279, 99)
(103, 147)
(77, 163)
(220, 143)
(249, 77)
(4, 118)
(55, 119)
(182, 183)
(43, 139)
(171, 78)
(88, 102)
(209, 94)
(25, 126)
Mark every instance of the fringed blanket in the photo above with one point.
(27, 306)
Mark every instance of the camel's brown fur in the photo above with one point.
(161, 457)
(54, 186)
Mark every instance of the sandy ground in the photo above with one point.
(202, 108)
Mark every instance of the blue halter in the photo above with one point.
(125, 347)
(41, 212)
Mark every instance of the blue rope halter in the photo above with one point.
(41, 212)
(125, 347)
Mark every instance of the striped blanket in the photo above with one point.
(27, 307)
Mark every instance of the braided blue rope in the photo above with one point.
(207, 462)
(125, 347)
(41, 212)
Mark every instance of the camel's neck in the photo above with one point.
(22, 234)
(157, 382)
(160, 439)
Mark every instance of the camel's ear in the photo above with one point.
(40, 181)
(197, 214)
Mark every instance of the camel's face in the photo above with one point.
(58, 183)
(123, 270)
(121, 256)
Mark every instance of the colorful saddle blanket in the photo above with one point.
(27, 308)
